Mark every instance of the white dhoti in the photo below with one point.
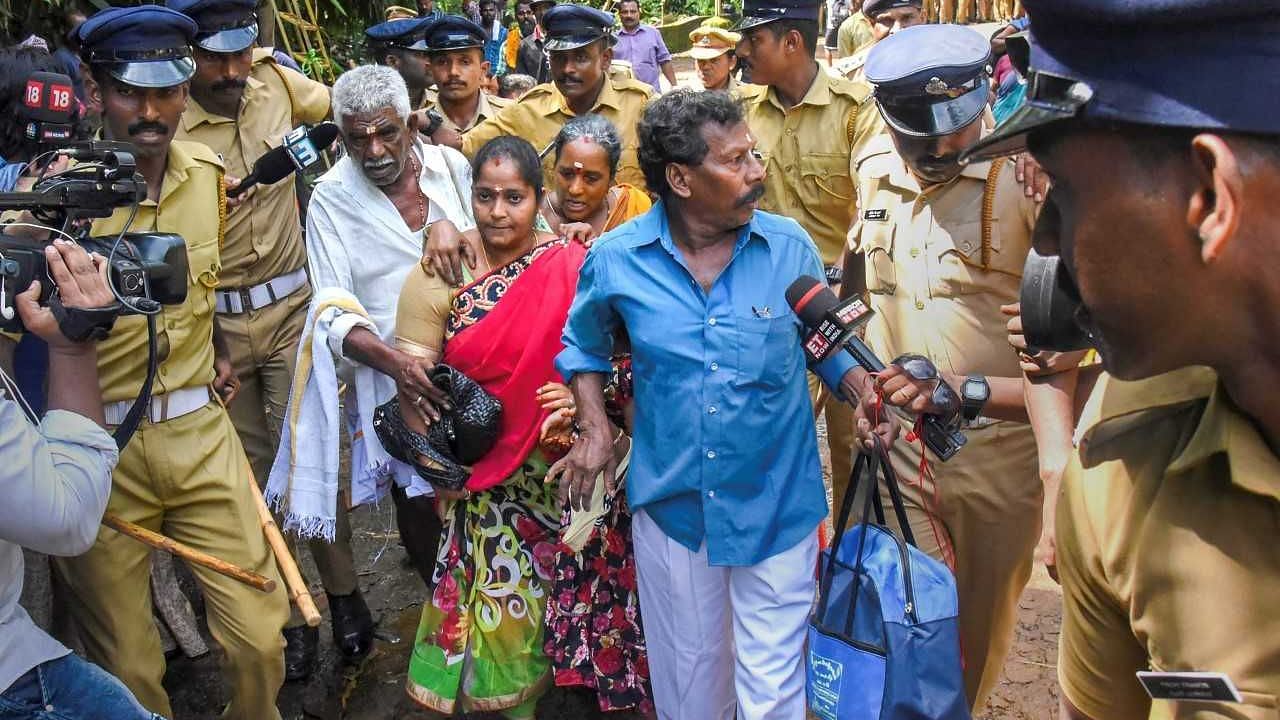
(724, 641)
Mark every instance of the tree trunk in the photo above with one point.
(173, 610)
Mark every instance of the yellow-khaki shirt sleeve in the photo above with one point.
(1097, 651)
(421, 313)
(310, 98)
(515, 119)
(867, 126)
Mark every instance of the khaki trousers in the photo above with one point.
(981, 516)
(185, 478)
(839, 437)
(264, 353)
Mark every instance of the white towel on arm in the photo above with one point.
(303, 484)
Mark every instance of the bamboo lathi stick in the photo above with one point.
(284, 559)
(190, 554)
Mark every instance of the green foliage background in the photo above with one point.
(343, 21)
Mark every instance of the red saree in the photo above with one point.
(504, 333)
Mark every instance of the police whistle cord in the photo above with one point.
(931, 501)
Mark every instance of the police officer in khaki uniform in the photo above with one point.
(401, 44)
(808, 127)
(1163, 217)
(459, 70)
(883, 17)
(184, 472)
(944, 246)
(579, 43)
(242, 103)
(713, 51)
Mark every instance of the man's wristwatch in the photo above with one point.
(434, 121)
(974, 394)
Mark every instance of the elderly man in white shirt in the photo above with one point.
(366, 226)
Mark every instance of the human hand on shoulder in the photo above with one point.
(578, 232)
(445, 251)
(1034, 180)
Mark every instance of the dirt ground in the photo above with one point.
(374, 690)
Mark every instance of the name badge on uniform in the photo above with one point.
(1210, 686)
(880, 214)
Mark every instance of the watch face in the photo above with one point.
(976, 390)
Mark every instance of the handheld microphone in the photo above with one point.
(48, 106)
(830, 325)
(300, 149)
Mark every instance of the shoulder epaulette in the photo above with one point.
(628, 84)
(859, 91)
(200, 151)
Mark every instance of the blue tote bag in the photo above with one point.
(884, 642)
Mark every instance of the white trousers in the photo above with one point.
(723, 640)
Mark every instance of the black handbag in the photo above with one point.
(460, 437)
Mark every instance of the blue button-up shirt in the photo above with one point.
(724, 450)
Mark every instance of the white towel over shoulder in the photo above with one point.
(303, 484)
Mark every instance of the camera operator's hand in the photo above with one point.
(225, 381)
(231, 183)
(82, 283)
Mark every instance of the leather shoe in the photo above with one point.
(300, 652)
(352, 625)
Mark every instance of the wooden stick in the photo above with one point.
(190, 554)
(284, 559)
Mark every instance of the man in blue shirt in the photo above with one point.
(642, 46)
(725, 481)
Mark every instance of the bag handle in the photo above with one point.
(827, 569)
(877, 458)
(877, 465)
(895, 496)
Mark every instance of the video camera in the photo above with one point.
(147, 270)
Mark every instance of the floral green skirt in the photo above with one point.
(479, 643)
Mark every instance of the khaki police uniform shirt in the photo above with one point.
(264, 235)
(733, 87)
(808, 154)
(853, 67)
(1166, 544)
(854, 34)
(193, 205)
(925, 256)
(488, 106)
(539, 115)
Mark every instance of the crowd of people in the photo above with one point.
(542, 292)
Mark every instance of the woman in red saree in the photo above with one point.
(479, 643)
